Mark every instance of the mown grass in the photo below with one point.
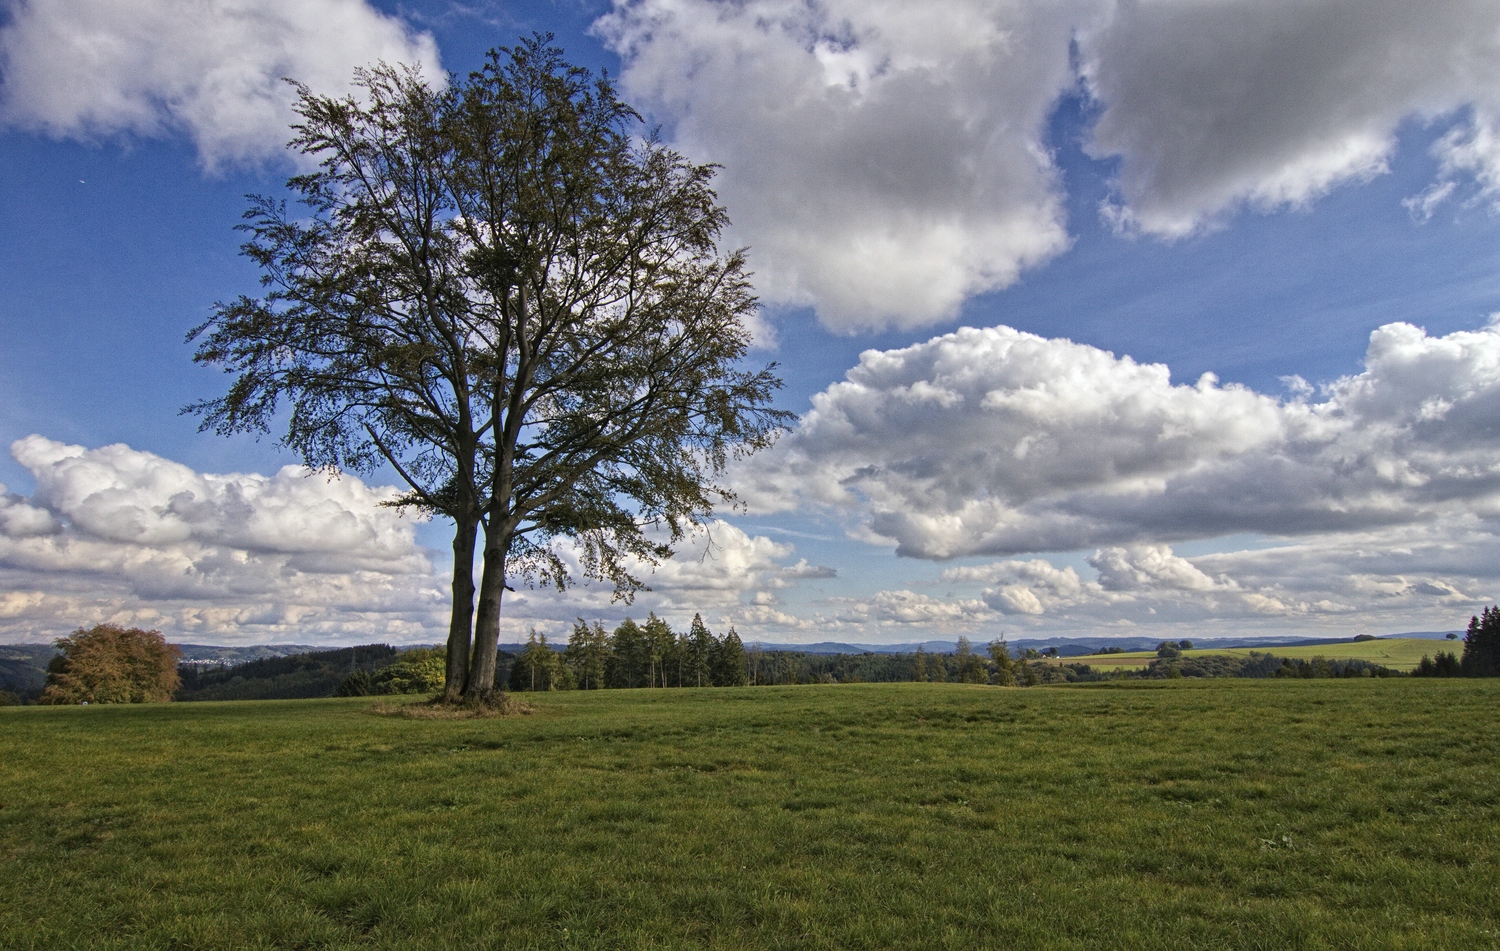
(1215, 814)
(1397, 653)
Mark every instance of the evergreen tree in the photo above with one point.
(629, 656)
(661, 645)
(1482, 645)
(537, 668)
(359, 684)
(587, 655)
(699, 655)
(729, 662)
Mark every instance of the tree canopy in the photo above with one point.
(1481, 657)
(506, 293)
(112, 664)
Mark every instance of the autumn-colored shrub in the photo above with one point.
(112, 664)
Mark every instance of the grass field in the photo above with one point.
(1397, 653)
(1209, 814)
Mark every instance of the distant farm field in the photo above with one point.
(1397, 653)
(1178, 815)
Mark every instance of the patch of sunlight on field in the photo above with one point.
(1397, 653)
(1197, 815)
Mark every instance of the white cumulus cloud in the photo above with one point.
(116, 534)
(887, 160)
(1271, 103)
(993, 441)
(883, 160)
(209, 69)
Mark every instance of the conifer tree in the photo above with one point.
(699, 654)
(629, 657)
(660, 645)
(587, 655)
(538, 668)
(1481, 656)
(729, 662)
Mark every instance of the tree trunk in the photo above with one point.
(461, 624)
(481, 683)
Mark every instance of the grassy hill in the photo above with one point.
(1397, 653)
(1210, 814)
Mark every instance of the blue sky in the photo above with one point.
(1251, 196)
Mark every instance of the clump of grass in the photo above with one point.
(503, 705)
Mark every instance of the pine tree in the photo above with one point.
(729, 662)
(630, 657)
(587, 655)
(1482, 645)
(660, 646)
(700, 654)
(537, 668)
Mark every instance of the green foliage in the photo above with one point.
(296, 676)
(1447, 664)
(111, 664)
(505, 291)
(1192, 816)
(1005, 668)
(698, 655)
(417, 670)
(8, 699)
(587, 655)
(357, 684)
(630, 656)
(538, 667)
(971, 668)
(661, 651)
(1481, 656)
(728, 662)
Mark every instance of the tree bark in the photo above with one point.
(481, 685)
(461, 624)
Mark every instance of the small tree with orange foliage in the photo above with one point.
(112, 664)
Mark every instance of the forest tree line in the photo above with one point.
(108, 664)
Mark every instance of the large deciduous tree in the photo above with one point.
(509, 296)
(111, 664)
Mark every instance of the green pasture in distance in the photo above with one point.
(1397, 653)
(1171, 815)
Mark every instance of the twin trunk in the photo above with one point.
(473, 637)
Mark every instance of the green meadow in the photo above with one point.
(1397, 653)
(1221, 814)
